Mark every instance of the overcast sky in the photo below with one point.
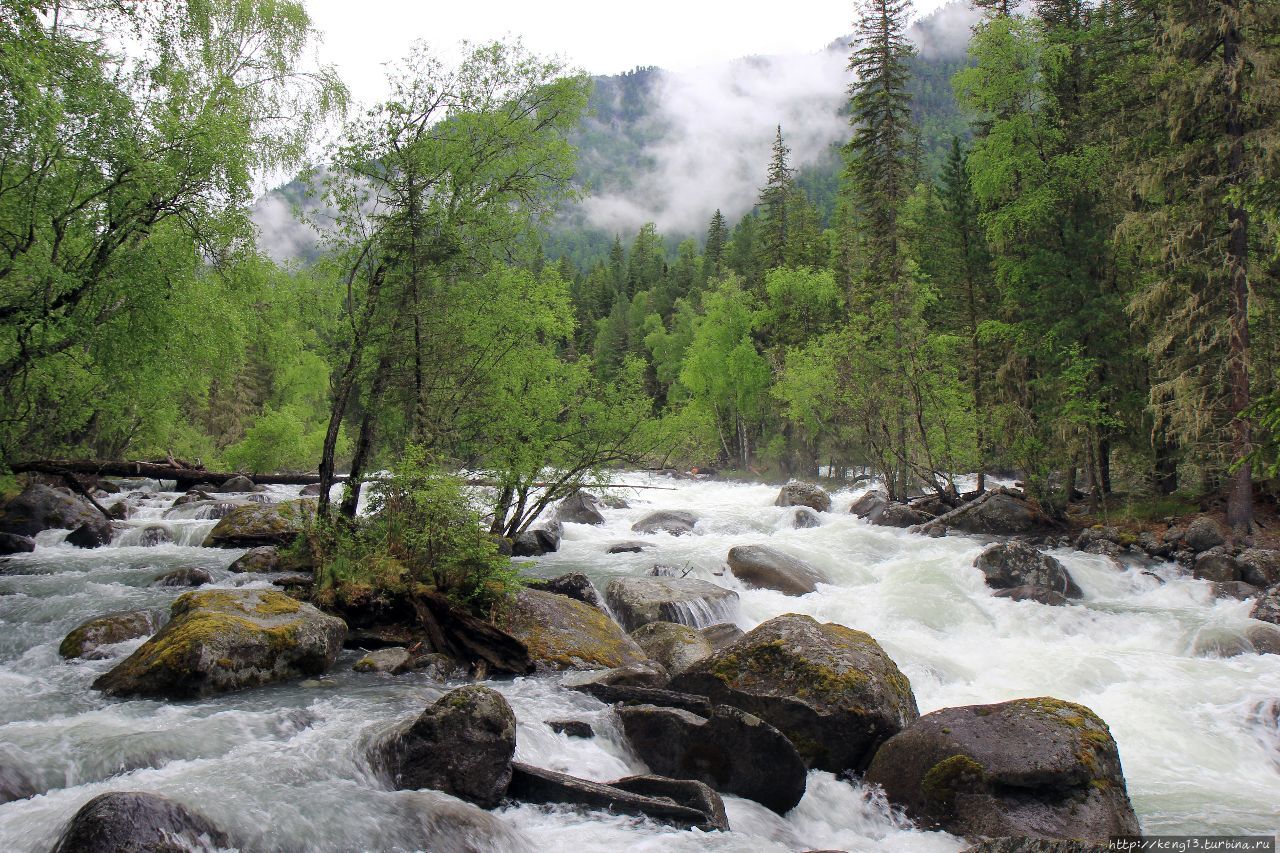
(599, 37)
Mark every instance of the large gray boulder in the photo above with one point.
(762, 567)
(870, 505)
(901, 516)
(1259, 567)
(638, 601)
(575, 585)
(830, 689)
(677, 647)
(674, 521)
(580, 508)
(797, 493)
(250, 525)
(1033, 768)
(535, 785)
(685, 792)
(996, 513)
(538, 541)
(1217, 565)
(562, 633)
(228, 639)
(1009, 565)
(86, 638)
(1203, 534)
(264, 558)
(804, 518)
(132, 821)
(732, 751)
(1267, 607)
(12, 543)
(462, 745)
(91, 534)
(40, 507)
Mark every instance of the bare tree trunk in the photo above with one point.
(364, 444)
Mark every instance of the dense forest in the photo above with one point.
(1060, 262)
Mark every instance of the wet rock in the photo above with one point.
(900, 515)
(677, 647)
(535, 785)
(615, 694)
(192, 496)
(722, 634)
(298, 586)
(576, 586)
(685, 792)
(16, 784)
(627, 547)
(637, 601)
(183, 577)
(674, 522)
(998, 513)
(797, 493)
(831, 690)
(394, 660)
(119, 511)
(264, 558)
(1239, 590)
(732, 751)
(1008, 565)
(1267, 608)
(762, 567)
(562, 633)
(870, 505)
(1264, 639)
(645, 673)
(12, 543)
(535, 543)
(311, 490)
(451, 826)
(580, 508)
(1090, 537)
(40, 507)
(462, 745)
(439, 667)
(1203, 534)
(87, 637)
(1154, 546)
(222, 640)
(136, 821)
(804, 518)
(153, 535)
(1259, 566)
(1218, 565)
(1036, 845)
(251, 525)
(571, 728)
(615, 502)
(1038, 594)
(93, 534)
(1031, 767)
(239, 483)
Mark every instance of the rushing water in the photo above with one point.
(284, 768)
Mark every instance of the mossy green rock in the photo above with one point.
(676, 647)
(40, 507)
(87, 637)
(1030, 768)
(562, 633)
(251, 525)
(227, 639)
(830, 689)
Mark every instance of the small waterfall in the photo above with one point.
(699, 612)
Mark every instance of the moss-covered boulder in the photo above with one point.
(830, 689)
(462, 745)
(89, 636)
(264, 558)
(40, 507)
(762, 567)
(137, 821)
(676, 647)
(640, 600)
(227, 639)
(562, 633)
(1030, 768)
(250, 525)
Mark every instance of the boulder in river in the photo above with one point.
(1259, 567)
(870, 505)
(1038, 768)
(629, 695)
(91, 534)
(153, 535)
(572, 728)
(462, 745)
(574, 585)
(677, 647)
(192, 496)
(1267, 607)
(536, 542)
(646, 673)
(997, 513)
(580, 508)
(1217, 565)
(562, 633)
(531, 784)
(251, 525)
(639, 600)
(1036, 845)
(830, 689)
(1203, 534)
(721, 634)
(227, 639)
(673, 521)
(1009, 565)
(762, 567)
(16, 783)
(239, 483)
(630, 547)
(1038, 594)
(12, 543)
(804, 518)
(311, 490)
(40, 507)
(797, 493)
(685, 792)
(87, 637)
(732, 751)
(138, 821)
(900, 515)
(393, 660)
(264, 558)
(183, 577)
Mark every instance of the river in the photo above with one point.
(284, 767)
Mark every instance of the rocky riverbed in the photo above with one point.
(1164, 661)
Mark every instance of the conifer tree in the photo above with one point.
(775, 199)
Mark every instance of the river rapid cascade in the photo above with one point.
(286, 768)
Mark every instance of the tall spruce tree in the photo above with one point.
(717, 242)
(775, 198)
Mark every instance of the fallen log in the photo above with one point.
(185, 477)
